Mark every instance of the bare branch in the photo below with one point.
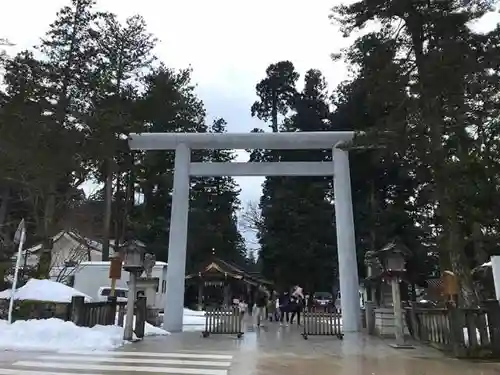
(251, 217)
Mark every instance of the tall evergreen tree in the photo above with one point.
(214, 205)
(124, 51)
(297, 231)
(169, 104)
(447, 72)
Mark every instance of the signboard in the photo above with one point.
(115, 268)
(449, 283)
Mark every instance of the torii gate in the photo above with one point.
(183, 143)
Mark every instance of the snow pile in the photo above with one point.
(46, 291)
(189, 312)
(151, 330)
(56, 334)
(5, 294)
(193, 321)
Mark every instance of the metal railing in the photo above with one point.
(322, 323)
(223, 320)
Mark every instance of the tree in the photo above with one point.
(295, 230)
(213, 212)
(169, 104)
(123, 52)
(427, 53)
(276, 93)
(251, 218)
(64, 115)
(67, 49)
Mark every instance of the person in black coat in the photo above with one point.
(296, 305)
(284, 307)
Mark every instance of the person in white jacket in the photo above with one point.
(298, 292)
(297, 303)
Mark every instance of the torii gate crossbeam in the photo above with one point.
(183, 143)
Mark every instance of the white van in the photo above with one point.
(92, 278)
(338, 304)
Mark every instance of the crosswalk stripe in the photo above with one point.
(148, 354)
(98, 367)
(178, 362)
(8, 371)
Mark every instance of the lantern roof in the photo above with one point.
(394, 247)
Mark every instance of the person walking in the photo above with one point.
(271, 307)
(284, 306)
(261, 305)
(297, 303)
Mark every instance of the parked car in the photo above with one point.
(121, 294)
(322, 299)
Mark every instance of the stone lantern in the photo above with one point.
(393, 260)
(133, 262)
(148, 285)
(133, 256)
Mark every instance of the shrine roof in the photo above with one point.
(217, 265)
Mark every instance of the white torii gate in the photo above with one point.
(183, 143)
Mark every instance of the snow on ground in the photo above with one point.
(149, 329)
(56, 334)
(189, 312)
(192, 320)
(44, 290)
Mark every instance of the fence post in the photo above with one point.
(456, 330)
(121, 315)
(140, 316)
(111, 312)
(78, 310)
(492, 308)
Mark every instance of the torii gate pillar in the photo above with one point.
(346, 242)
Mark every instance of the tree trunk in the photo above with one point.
(4, 205)
(452, 252)
(108, 200)
(118, 211)
(129, 197)
(45, 262)
(479, 253)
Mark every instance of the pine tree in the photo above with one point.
(276, 93)
(447, 74)
(123, 52)
(67, 48)
(169, 104)
(213, 206)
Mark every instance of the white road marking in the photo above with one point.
(7, 371)
(89, 366)
(149, 354)
(151, 361)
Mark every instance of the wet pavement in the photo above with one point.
(271, 350)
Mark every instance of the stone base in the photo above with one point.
(384, 325)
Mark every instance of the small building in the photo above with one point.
(69, 249)
(218, 282)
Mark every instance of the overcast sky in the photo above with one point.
(229, 44)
